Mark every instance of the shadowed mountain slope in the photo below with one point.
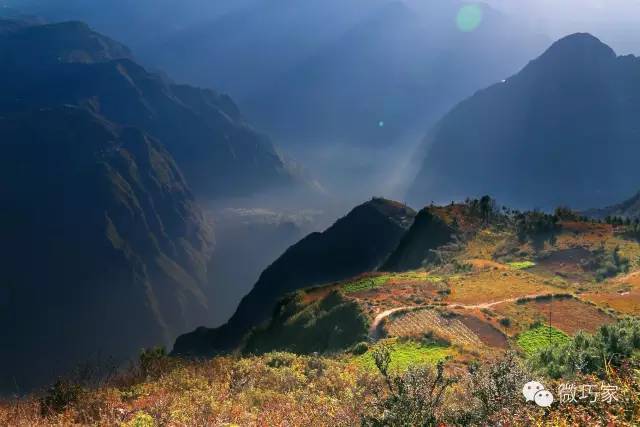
(217, 150)
(563, 131)
(104, 247)
(357, 243)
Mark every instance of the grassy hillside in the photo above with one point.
(516, 296)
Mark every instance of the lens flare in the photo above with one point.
(469, 18)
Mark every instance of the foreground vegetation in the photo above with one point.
(279, 389)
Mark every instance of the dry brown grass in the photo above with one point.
(568, 315)
(273, 390)
(494, 285)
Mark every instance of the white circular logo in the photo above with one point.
(530, 389)
(543, 398)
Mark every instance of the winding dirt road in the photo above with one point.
(375, 332)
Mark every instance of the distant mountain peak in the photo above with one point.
(578, 46)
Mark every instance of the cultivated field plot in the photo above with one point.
(494, 286)
(407, 353)
(401, 290)
(569, 315)
(621, 294)
(421, 321)
(534, 340)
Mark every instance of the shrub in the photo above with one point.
(535, 223)
(413, 398)
(585, 353)
(153, 362)
(360, 348)
(140, 419)
(505, 321)
(278, 360)
(608, 264)
(59, 397)
(496, 386)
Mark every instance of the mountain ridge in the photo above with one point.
(541, 133)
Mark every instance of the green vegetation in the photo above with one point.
(534, 224)
(364, 284)
(607, 348)
(540, 337)
(521, 265)
(608, 264)
(406, 353)
(331, 324)
(412, 398)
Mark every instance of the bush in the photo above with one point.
(59, 397)
(360, 348)
(607, 264)
(534, 224)
(611, 346)
(279, 360)
(413, 398)
(497, 386)
(140, 419)
(153, 362)
(505, 321)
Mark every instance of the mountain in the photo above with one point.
(219, 153)
(357, 243)
(563, 131)
(104, 248)
(428, 233)
(390, 74)
(630, 208)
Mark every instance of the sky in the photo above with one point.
(615, 22)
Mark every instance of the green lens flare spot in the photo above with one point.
(469, 18)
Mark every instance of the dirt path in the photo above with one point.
(492, 304)
(375, 332)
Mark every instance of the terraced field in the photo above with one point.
(420, 321)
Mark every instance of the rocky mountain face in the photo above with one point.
(217, 150)
(563, 131)
(357, 243)
(104, 247)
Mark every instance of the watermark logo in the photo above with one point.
(536, 392)
(575, 393)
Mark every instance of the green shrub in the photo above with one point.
(413, 398)
(278, 360)
(591, 354)
(140, 419)
(505, 321)
(360, 348)
(607, 264)
(153, 362)
(59, 397)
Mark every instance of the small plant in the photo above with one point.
(360, 348)
(521, 265)
(153, 362)
(505, 321)
(280, 360)
(59, 397)
(140, 419)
